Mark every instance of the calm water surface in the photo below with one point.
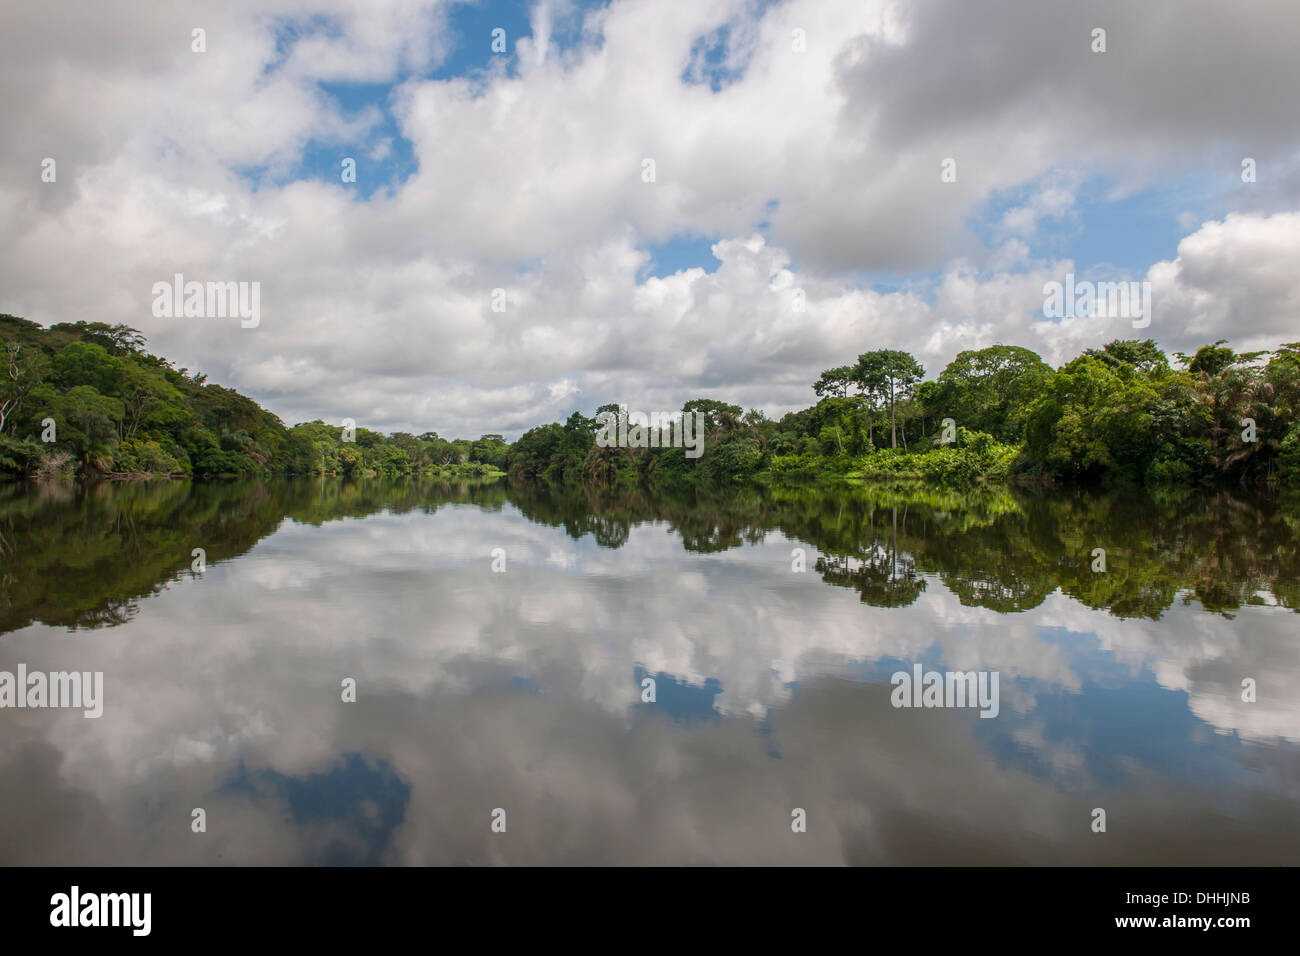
(522, 690)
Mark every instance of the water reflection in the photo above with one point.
(523, 690)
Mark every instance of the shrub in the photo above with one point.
(1288, 459)
(1166, 470)
(19, 456)
(975, 456)
(137, 455)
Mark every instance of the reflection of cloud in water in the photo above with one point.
(522, 690)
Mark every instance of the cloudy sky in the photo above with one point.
(797, 152)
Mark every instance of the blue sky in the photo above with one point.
(1108, 231)
(470, 30)
(797, 217)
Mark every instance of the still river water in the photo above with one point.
(482, 690)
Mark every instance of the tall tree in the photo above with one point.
(835, 381)
(891, 373)
(991, 389)
(22, 370)
(1144, 355)
(717, 415)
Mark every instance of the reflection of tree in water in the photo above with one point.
(83, 556)
(992, 547)
(1247, 549)
(116, 612)
(882, 578)
(707, 536)
(609, 532)
(7, 576)
(997, 595)
(879, 573)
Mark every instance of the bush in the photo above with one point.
(1288, 459)
(795, 467)
(219, 462)
(975, 456)
(19, 456)
(137, 455)
(1165, 470)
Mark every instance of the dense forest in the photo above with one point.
(88, 399)
(1119, 414)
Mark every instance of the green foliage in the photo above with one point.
(141, 455)
(888, 375)
(18, 455)
(555, 452)
(973, 457)
(1094, 420)
(1144, 355)
(835, 382)
(1289, 458)
(1168, 470)
(1119, 413)
(1211, 359)
(990, 389)
(1122, 413)
(119, 410)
